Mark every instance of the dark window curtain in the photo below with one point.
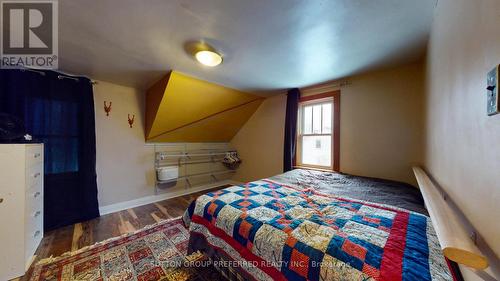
(292, 107)
(59, 113)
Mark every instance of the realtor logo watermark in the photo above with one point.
(29, 34)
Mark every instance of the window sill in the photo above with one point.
(313, 168)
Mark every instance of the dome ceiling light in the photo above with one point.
(208, 58)
(203, 53)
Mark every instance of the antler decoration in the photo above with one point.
(131, 121)
(107, 108)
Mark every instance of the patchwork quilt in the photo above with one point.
(273, 231)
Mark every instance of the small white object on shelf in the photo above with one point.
(167, 173)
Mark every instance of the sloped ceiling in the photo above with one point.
(180, 108)
(268, 45)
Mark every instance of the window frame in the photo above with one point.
(334, 98)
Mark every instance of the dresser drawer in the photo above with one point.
(34, 176)
(34, 216)
(21, 212)
(33, 236)
(34, 154)
(34, 208)
(34, 227)
(34, 201)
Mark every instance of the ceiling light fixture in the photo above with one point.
(208, 58)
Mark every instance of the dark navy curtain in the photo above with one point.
(59, 113)
(290, 142)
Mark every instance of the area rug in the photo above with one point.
(156, 252)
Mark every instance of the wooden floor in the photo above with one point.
(74, 237)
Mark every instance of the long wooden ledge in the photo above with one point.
(453, 237)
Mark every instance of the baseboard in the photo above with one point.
(108, 209)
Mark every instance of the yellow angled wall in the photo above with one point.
(153, 101)
(181, 108)
(218, 128)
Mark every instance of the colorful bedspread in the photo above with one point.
(275, 232)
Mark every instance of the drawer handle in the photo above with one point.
(37, 213)
(36, 175)
(37, 155)
(36, 194)
(36, 233)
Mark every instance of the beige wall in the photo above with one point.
(381, 123)
(380, 128)
(124, 162)
(462, 142)
(260, 141)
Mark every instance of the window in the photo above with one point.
(317, 133)
(56, 123)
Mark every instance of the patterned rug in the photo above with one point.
(156, 252)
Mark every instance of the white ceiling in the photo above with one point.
(266, 44)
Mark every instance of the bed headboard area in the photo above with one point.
(456, 241)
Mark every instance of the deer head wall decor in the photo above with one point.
(131, 120)
(107, 108)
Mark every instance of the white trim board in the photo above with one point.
(112, 208)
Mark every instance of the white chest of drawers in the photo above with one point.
(21, 206)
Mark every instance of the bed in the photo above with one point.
(312, 225)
